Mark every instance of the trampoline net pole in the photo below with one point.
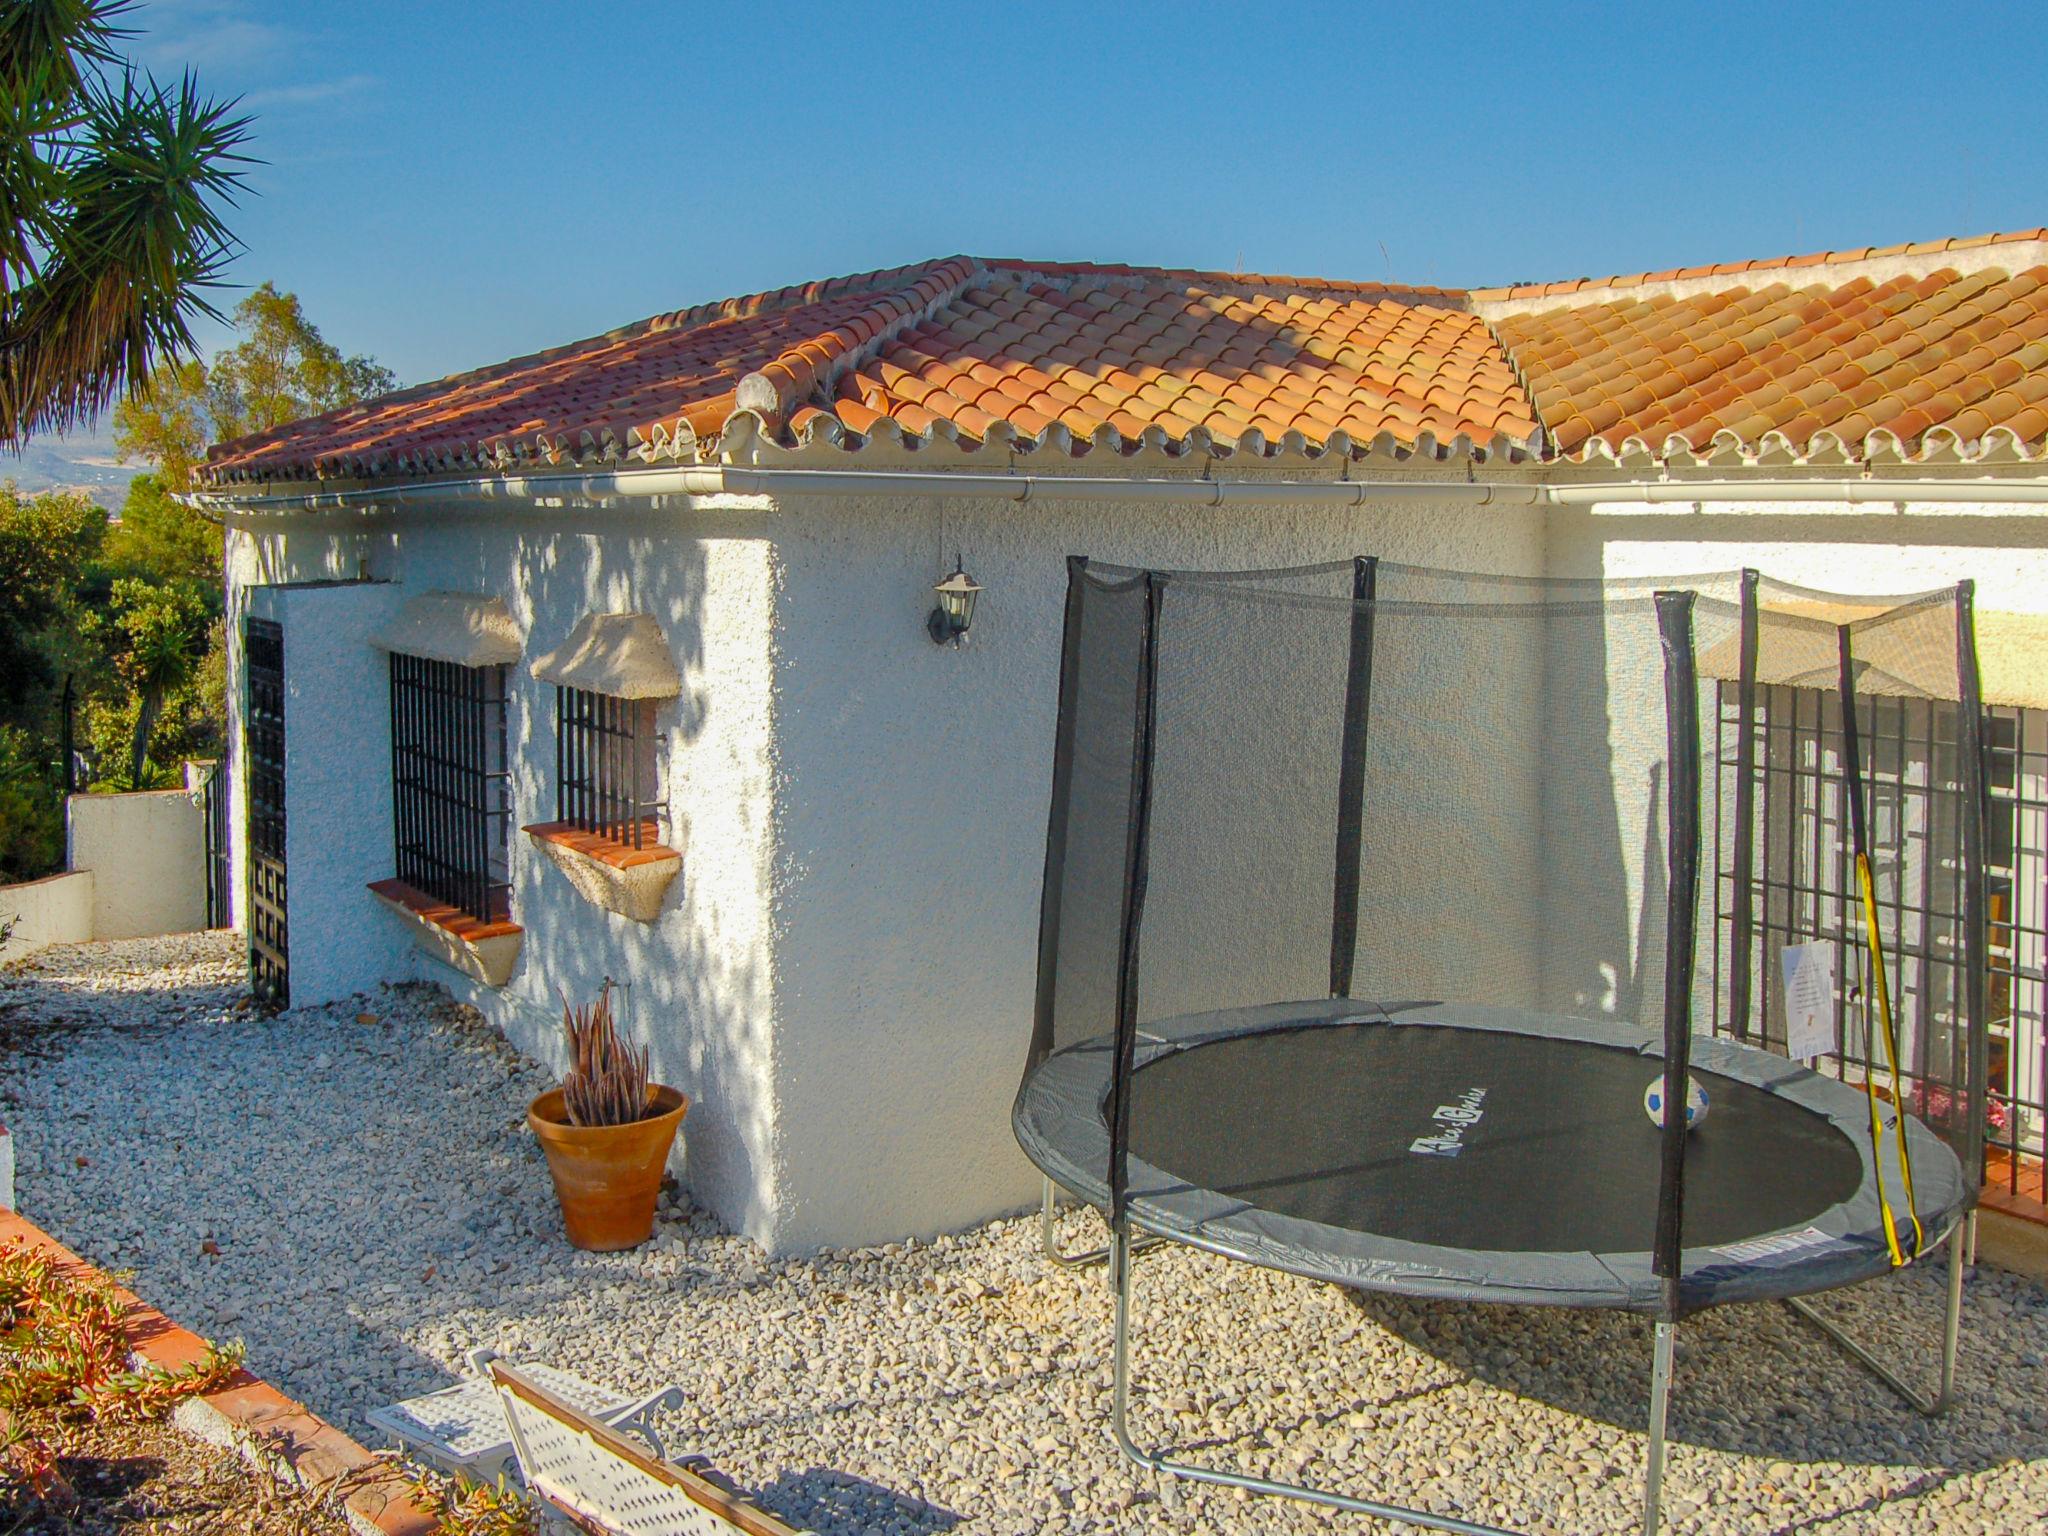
(1056, 826)
(1133, 920)
(1743, 847)
(1681, 699)
(1351, 778)
(1976, 887)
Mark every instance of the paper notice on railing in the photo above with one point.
(1809, 971)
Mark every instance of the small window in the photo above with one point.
(605, 768)
(451, 796)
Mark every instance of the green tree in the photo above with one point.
(158, 537)
(157, 636)
(283, 369)
(165, 423)
(31, 815)
(110, 226)
(47, 544)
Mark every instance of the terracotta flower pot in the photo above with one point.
(607, 1177)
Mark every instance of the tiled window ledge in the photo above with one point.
(608, 873)
(484, 951)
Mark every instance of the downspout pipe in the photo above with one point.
(720, 479)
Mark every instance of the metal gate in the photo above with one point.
(269, 941)
(213, 801)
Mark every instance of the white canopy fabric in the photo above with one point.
(461, 627)
(2012, 654)
(624, 655)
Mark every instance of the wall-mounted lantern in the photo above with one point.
(949, 621)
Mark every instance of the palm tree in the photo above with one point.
(110, 229)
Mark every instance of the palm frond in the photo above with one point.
(142, 240)
(53, 43)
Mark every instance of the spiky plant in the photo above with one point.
(110, 227)
(606, 1083)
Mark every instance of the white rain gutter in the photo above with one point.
(722, 479)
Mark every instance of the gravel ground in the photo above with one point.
(353, 1191)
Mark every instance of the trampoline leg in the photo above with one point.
(1121, 1251)
(1048, 1238)
(1962, 1251)
(1660, 1407)
(1958, 1244)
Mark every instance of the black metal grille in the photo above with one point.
(213, 799)
(604, 765)
(2017, 856)
(269, 936)
(1802, 881)
(451, 796)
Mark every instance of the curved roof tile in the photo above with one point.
(1903, 354)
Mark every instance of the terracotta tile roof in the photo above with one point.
(1112, 358)
(1816, 367)
(663, 383)
(1900, 350)
(1768, 263)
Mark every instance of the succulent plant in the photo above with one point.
(606, 1083)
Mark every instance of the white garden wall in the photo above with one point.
(56, 909)
(148, 851)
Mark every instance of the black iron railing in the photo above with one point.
(451, 795)
(269, 929)
(604, 764)
(2016, 853)
(1802, 888)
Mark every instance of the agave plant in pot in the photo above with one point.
(606, 1131)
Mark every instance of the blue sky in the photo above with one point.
(451, 184)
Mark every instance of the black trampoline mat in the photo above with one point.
(1354, 1124)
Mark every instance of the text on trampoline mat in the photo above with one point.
(1776, 1247)
(1452, 1121)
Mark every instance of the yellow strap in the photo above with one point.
(1891, 1052)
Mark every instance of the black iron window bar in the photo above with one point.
(451, 784)
(264, 642)
(1802, 889)
(604, 766)
(2016, 854)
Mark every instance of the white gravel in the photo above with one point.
(378, 1207)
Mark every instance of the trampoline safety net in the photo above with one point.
(1546, 802)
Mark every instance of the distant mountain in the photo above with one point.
(81, 462)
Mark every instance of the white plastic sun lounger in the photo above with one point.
(606, 1484)
(461, 1429)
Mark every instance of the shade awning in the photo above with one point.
(1800, 651)
(621, 654)
(462, 627)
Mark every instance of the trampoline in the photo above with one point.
(1493, 804)
(1480, 1154)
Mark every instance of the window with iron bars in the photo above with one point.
(1802, 888)
(451, 795)
(605, 769)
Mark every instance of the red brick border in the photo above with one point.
(249, 1414)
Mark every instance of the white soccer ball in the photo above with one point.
(1695, 1102)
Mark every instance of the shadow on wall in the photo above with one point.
(692, 985)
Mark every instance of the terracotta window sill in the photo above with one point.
(484, 951)
(608, 873)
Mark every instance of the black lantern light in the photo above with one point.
(949, 621)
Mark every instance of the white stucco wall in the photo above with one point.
(913, 812)
(337, 757)
(842, 975)
(56, 909)
(694, 985)
(148, 852)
